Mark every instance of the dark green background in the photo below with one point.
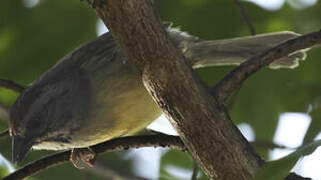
(34, 39)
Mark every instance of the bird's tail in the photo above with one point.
(201, 53)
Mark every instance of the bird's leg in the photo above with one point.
(83, 156)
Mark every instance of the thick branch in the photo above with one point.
(113, 145)
(119, 144)
(11, 85)
(200, 120)
(234, 79)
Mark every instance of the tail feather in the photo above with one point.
(234, 51)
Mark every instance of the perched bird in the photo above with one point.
(93, 94)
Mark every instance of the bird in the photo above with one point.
(93, 94)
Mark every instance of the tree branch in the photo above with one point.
(118, 144)
(195, 171)
(124, 143)
(11, 85)
(200, 120)
(245, 17)
(235, 78)
(267, 145)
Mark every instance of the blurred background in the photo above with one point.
(277, 110)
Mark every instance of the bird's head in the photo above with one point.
(39, 116)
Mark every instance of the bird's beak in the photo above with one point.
(20, 147)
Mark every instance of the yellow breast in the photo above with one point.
(120, 106)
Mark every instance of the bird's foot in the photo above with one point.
(82, 157)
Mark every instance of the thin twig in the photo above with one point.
(236, 77)
(252, 32)
(268, 145)
(11, 85)
(195, 171)
(245, 17)
(4, 133)
(118, 144)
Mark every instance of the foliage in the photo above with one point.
(281, 167)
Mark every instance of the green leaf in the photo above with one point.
(3, 170)
(279, 169)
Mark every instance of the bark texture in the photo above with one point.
(201, 121)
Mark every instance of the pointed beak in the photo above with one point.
(20, 147)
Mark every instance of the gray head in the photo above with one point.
(47, 112)
(19, 125)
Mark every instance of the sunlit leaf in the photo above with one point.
(279, 169)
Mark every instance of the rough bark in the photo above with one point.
(201, 121)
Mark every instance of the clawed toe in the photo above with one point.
(82, 157)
